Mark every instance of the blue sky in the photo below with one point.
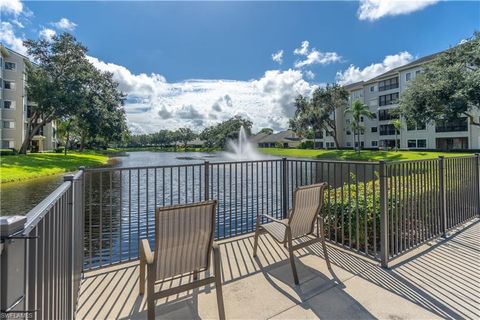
(155, 49)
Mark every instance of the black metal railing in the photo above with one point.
(374, 208)
(42, 263)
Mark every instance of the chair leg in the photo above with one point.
(218, 281)
(150, 293)
(324, 245)
(142, 274)
(257, 234)
(292, 260)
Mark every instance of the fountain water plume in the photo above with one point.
(242, 149)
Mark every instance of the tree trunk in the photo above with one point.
(82, 143)
(29, 136)
(66, 142)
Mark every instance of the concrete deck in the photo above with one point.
(439, 280)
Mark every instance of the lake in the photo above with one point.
(17, 198)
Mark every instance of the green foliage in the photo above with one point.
(266, 130)
(218, 135)
(66, 87)
(7, 152)
(315, 114)
(448, 87)
(308, 144)
(358, 110)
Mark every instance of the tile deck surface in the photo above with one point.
(439, 280)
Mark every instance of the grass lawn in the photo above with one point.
(34, 165)
(364, 155)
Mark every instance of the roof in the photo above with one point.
(405, 66)
(283, 136)
(259, 136)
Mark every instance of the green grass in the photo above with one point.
(364, 155)
(34, 165)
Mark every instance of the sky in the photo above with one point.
(194, 64)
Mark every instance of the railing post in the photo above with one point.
(477, 171)
(71, 200)
(443, 195)
(207, 180)
(384, 255)
(284, 188)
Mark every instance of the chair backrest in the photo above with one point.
(307, 203)
(183, 238)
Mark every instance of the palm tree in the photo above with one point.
(358, 110)
(398, 126)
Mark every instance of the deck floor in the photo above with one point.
(440, 280)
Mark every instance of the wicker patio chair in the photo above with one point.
(307, 202)
(183, 247)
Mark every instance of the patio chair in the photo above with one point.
(183, 247)
(307, 202)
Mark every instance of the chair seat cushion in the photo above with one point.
(276, 230)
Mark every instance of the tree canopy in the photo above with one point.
(318, 112)
(448, 87)
(217, 136)
(65, 86)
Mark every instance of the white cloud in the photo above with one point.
(278, 56)
(153, 103)
(317, 57)
(65, 24)
(313, 56)
(309, 74)
(14, 7)
(8, 37)
(47, 33)
(376, 9)
(303, 49)
(353, 73)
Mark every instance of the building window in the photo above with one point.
(388, 99)
(374, 143)
(8, 85)
(347, 121)
(348, 133)
(349, 144)
(372, 88)
(421, 126)
(8, 144)
(7, 104)
(8, 124)
(421, 143)
(361, 119)
(417, 72)
(388, 84)
(12, 66)
(374, 129)
(387, 114)
(362, 131)
(408, 76)
(387, 129)
(411, 125)
(454, 125)
(412, 143)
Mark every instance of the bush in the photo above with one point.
(60, 150)
(306, 145)
(7, 152)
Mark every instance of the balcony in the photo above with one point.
(394, 253)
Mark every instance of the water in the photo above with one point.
(18, 198)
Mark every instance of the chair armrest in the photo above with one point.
(146, 252)
(273, 219)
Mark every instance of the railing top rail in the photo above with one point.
(39, 211)
(335, 161)
(430, 159)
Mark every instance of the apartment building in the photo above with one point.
(381, 95)
(14, 106)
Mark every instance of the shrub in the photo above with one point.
(7, 152)
(306, 145)
(60, 149)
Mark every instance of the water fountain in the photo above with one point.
(242, 148)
